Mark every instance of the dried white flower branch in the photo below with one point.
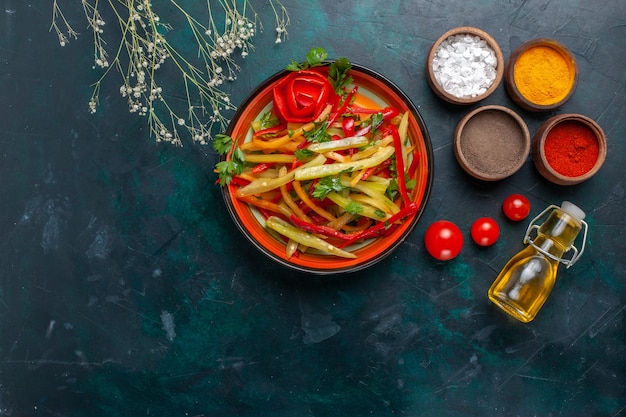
(142, 49)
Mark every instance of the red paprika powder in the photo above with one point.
(571, 148)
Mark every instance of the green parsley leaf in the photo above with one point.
(222, 143)
(227, 169)
(338, 74)
(326, 185)
(314, 58)
(318, 134)
(268, 119)
(392, 190)
(293, 66)
(303, 154)
(379, 213)
(393, 167)
(354, 208)
(376, 120)
(239, 159)
(410, 184)
(337, 70)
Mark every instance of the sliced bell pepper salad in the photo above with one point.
(332, 172)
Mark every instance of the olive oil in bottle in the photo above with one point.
(527, 279)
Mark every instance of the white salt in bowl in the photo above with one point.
(465, 65)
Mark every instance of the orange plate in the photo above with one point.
(251, 223)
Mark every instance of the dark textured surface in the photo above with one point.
(104, 235)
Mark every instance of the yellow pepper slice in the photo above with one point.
(304, 238)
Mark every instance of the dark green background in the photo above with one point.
(101, 231)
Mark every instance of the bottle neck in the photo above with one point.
(557, 234)
(550, 246)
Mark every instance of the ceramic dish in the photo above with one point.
(432, 74)
(491, 143)
(549, 78)
(252, 224)
(571, 151)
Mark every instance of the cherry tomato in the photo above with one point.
(485, 231)
(516, 207)
(443, 240)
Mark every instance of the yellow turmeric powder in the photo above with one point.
(543, 75)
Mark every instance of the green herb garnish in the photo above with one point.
(303, 154)
(267, 120)
(338, 74)
(319, 133)
(392, 189)
(326, 185)
(227, 169)
(380, 213)
(410, 184)
(354, 208)
(376, 120)
(222, 143)
(337, 70)
(314, 58)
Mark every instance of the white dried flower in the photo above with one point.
(142, 49)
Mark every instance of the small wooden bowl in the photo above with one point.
(527, 103)
(439, 90)
(491, 143)
(542, 162)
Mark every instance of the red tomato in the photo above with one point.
(516, 207)
(443, 240)
(485, 231)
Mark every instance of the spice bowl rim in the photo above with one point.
(493, 44)
(538, 149)
(468, 167)
(509, 80)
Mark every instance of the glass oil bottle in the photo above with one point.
(527, 279)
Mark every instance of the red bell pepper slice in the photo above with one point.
(378, 229)
(318, 229)
(262, 167)
(305, 91)
(237, 181)
(387, 112)
(280, 103)
(344, 106)
(347, 124)
(399, 163)
(381, 228)
(414, 164)
(316, 217)
(295, 164)
(368, 172)
(265, 213)
(301, 96)
(271, 131)
(363, 131)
